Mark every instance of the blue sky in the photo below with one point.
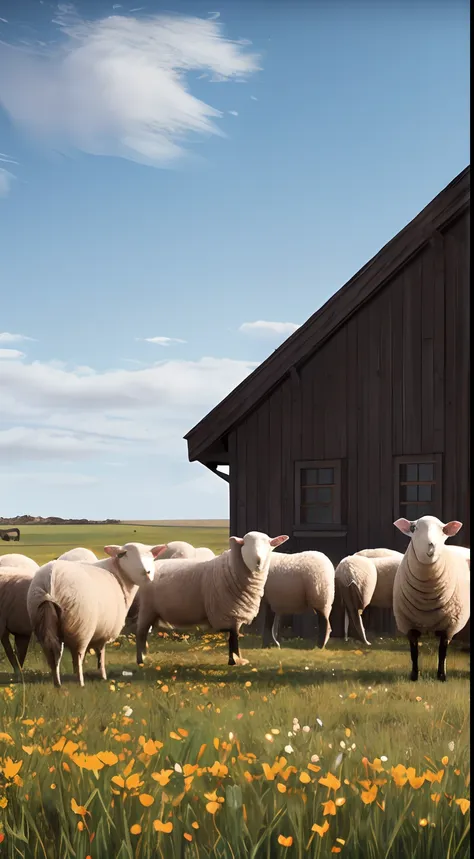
(182, 171)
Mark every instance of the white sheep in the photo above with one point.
(431, 592)
(79, 554)
(14, 620)
(298, 582)
(366, 578)
(81, 605)
(175, 549)
(222, 593)
(17, 560)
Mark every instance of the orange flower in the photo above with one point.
(435, 797)
(162, 777)
(399, 775)
(313, 768)
(11, 768)
(445, 760)
(201, 751)
(187, 836)
(281, 787)
(321, 830)
(183, 732)
(268, 770)
(80, 825)
(212, 807)
(432, 777)
(87, 762)
(414, 781)
(423, 821)
(133, 781)
(151, 747)
(341, 801)
(285, 842)
(329, 807)
(305, 777)
(464, 804)
(368, 796)
(376, 765)
(195, 825)
(135, 829)
(146, 800)
(330, 781)
(335, 849)
(175, 736)
(78, 809)
(159, 826)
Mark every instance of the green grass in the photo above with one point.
(344, 695)
(45, 542)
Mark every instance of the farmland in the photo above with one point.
(299, 753)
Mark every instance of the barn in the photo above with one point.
(362, 415)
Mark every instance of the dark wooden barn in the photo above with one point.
(362, 415)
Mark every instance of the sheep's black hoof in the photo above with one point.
(442, 676)
(414, 675)
(231, 662)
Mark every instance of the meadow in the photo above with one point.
(299, 753)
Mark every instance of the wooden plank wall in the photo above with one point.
(393, 381)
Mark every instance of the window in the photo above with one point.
(417, 486)
(318, 494)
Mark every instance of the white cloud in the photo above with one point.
(6, 337)
(52, 412)
(272, 329)
(162, 341)
(11, 354)
(6, 181)
(117, 86)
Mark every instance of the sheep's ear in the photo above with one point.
(452, 528)
(156, 551)
(113, 551)
(403, 525)
(277, 541)
(239, 541)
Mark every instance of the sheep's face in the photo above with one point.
(428, 536)
(256, 549)
(136, 560)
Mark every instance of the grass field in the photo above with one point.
(188, 758)
(45, 542)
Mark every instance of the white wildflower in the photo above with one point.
(231, 736)
(127, 711)
(306, 729)
(451, 746)
(288, 749)
(383, 758)
(178, 768)
(319, 722)
(342, 744)
(314, 759)
(338, 760)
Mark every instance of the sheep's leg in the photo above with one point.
(11, 656)
(234, 649)
(413, 637)
(53, 659)
(442, 654)
(346, 625)
(21, 647)
(144, 622)
(101, 662)
(276, 629)
(77, 662)
(268, 621)
(324, 630)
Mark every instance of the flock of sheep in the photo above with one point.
(80, 602)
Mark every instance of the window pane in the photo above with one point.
(409, 493)
(309, 476)
(425, 471)
(324, 495)
(325, 475)
(411, 511)
(409, 472)
(309, 496)
(424, 492)
(317, 514)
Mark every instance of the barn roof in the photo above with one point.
(205, 439)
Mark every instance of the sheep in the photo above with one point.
(175, 549)
(17, 560)
(14, 620)
(79, 554)
(366, 578)
(79, 605)
(296, 583)
(431, 591)
(222, 593)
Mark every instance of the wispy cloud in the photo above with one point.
(7, 337)
(269, 329)
(162, 341)
(11, 354)
(6, 181)
(117, 86)
(53, 412)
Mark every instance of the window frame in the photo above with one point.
(419, 459)
(300, 465)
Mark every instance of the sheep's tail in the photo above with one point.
(324, 630)
(47, 628)
(354, 606)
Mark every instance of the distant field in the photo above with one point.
(45, 542)
(180, 523)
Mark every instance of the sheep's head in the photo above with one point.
(428, 535)
(136, 560)
(256, 549)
